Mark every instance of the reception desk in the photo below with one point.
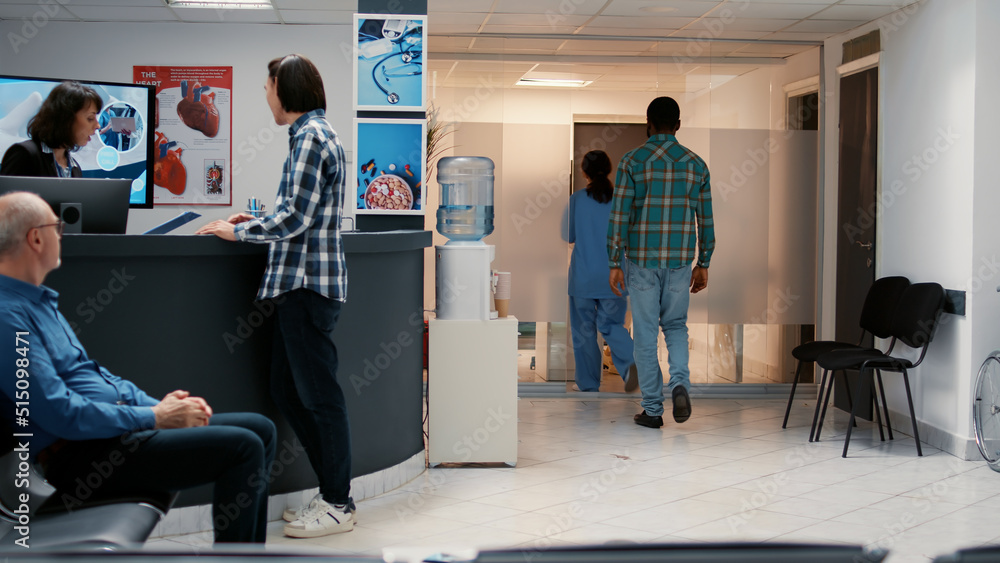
(178, 312)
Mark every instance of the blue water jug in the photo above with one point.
(466, 210)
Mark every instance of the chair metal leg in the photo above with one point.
(885, 405)
(913, 417)
(829, 395)
(791, 396)
(847, 390)
(878, 415)
(819, 403)
(850, 426)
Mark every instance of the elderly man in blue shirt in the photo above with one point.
(82, 419)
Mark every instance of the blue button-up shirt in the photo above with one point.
(61, 393)
(307, 250)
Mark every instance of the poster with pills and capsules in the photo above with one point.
(389, 62)
(192, 148)
(388, 170)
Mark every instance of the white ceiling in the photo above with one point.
(619, 44)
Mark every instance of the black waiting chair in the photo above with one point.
(876, 319)
(628, 552)
(58, 519)
(914, 324)
(982, 554)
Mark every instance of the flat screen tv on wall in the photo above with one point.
(122, 148)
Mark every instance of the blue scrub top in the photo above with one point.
(588, 230)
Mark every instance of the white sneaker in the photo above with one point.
(321, 519)
(291, 514)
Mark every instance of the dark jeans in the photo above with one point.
(234, 452)
(304, 386)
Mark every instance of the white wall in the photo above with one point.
(99, 51)
(983, 302)
(930, 183)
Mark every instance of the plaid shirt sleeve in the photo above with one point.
(621, 205)
(706, 225)
(301, 187)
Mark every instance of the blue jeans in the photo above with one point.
(304, 386)
(234, 451)
(660, 300)
(587, 317)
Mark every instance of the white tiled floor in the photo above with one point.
(587, 474)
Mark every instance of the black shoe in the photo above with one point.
(632, 380)
(682, 404)
(643, 419)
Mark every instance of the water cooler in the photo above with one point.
(465, 216)
(472, 360)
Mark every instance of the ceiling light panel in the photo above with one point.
(123, 13)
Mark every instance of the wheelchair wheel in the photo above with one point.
(986, 410)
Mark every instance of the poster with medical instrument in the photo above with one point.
(192, 150)
(388, 170)
(389, 62)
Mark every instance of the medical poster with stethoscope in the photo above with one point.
(388, 173)
(389, 62)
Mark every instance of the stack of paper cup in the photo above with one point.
(501, 292)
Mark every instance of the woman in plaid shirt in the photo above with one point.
(306, 282)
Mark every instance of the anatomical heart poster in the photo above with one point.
(192, 148)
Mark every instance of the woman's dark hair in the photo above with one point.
(596, 165)
(300, 87)
(55, 121)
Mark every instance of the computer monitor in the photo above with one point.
(109, 155)
(86, 205)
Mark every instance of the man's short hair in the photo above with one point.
(663, 113)
(300, 87)
(18, 215)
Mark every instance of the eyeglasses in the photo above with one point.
(59, 225)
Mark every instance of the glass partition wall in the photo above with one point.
(750, 109)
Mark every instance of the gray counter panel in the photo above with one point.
(178, 312)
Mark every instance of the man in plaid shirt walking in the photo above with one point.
(661, 222)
